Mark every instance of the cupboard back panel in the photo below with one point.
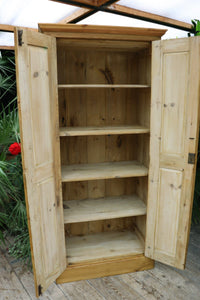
(99, 188)
(97, 66)
(85, 228)
(109, 148)
(96, 149)
(104, 107)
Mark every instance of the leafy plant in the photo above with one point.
(195, 27)
(13, 219)
(7, 79)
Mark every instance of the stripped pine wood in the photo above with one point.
(124, 129)
(36, 84)
(112, 46)
(102, 245)
(83, 86)
(171, 185)
(162, 282)
(103, 208)
(104, 103)
(107, 267)
(103, 170)
(96, 31)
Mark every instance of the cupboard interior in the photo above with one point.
(104, 145)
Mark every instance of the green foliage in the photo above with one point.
(7, 79)
(195, 27)
(13, 219)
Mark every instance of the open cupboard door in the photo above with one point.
(38, 111)
(173, 148)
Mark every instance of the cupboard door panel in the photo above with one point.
(38, 113)
(174, 134)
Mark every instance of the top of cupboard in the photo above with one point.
(101, 32)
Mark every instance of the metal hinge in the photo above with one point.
(39, 290)
(20, 33)
(191, 158)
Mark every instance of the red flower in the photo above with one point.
(15, 148)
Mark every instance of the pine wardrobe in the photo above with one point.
(109, 122)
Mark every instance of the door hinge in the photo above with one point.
(20, 33)
(191, 158)
(39, 290)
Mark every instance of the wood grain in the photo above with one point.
(103, 170)
(174, 134)
(111, 31)
(124, 129)
(102, 245)
(87, 86)
(36, 88)
(106, 268)
(147, 16)
(102, 208)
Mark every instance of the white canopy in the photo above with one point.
(29, 13)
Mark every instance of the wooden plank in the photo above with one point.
(112, 32)
(103, 208)
(7, 28)
(179, 284)
(102, 245)
(104, 2)
(113, 45)
(172, 177)
(103, 171)
(82, 12)
(80, 290)
(146, 16)
(81, 3)
(80, 131)
(83, 86)
(26, 278)
(7, 47)
(108, 267)
(37, 95)
(10, 285)
(115, 288)
(101, 36)
(128, 12)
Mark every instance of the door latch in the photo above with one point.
(191, 158)
(20, 33)
(39, 290)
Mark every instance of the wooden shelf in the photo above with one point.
(83, 131)
(103, 208)
(110, 86)
(102, 245)
(103, 171)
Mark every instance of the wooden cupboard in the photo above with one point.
(109, 120)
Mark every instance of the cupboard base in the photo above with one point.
(96, 269)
